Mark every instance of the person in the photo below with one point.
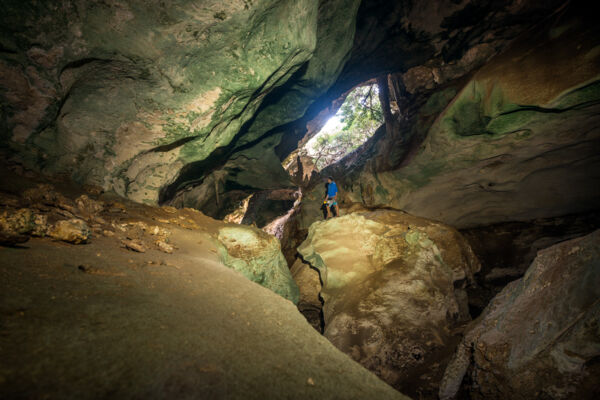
(331, 197)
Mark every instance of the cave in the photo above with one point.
(167, 171)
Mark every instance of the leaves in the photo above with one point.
(360, 116)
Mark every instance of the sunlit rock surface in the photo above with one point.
(393, 292)
(539, 337)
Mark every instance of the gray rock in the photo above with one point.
(539, 337)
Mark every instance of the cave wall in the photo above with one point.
(518, 141)
(173, 101)
(124, 94)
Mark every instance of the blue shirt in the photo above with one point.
(331, 189)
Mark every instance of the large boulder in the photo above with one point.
(538, 338)
(392, 291)
(257, 255)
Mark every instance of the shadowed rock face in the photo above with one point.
(124, 94)
(519, 141)
(157, 99)
(506, 250)
(393, 292)
(539, 337)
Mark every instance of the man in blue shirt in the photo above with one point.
(331, 197)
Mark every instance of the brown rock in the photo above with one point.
(17, 222)
(309, 283)
(135, 245)
(164, 247)
(393, 292)
(74, 231)
(88, 205)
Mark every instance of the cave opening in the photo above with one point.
(359, 116)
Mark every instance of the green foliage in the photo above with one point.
(360, 116)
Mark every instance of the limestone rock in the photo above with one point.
(392, 291)
(134, 245)
(74, 231)
(89, 206)
(40, 225)
(539, 337)
(42, 192)
(165, 247)
(517, 142)
(19, 221)
(96, 322)
(105, 57)
(258, 257)
(15, 225)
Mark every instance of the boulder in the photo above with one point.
(393, 292)
(88, 205)
(19, 221)
(539, 337)
(257, 255)
(74, 231)
(15, 225)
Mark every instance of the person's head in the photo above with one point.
(329, 179)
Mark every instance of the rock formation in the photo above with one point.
(156, 100)
(506, 145)
(258, 257)
(539, 337)
(100, 320)
(393, 292)
(126, 124)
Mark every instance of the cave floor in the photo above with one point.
(98, 320)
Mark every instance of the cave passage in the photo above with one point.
(162, 184)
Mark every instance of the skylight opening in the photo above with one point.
(356, 121)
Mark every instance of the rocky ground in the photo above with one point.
(131, 301)
(539, 337)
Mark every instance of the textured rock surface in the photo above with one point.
(393, 292)
(89, 217)
(506, 250)
(129, 92)
(539, 337)
(100, 321)
(519, 141)
(309, 284)
(192, 104)
(258, 257)
(73, 231)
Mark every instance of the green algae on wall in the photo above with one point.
(258, 257)
(177, 78)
